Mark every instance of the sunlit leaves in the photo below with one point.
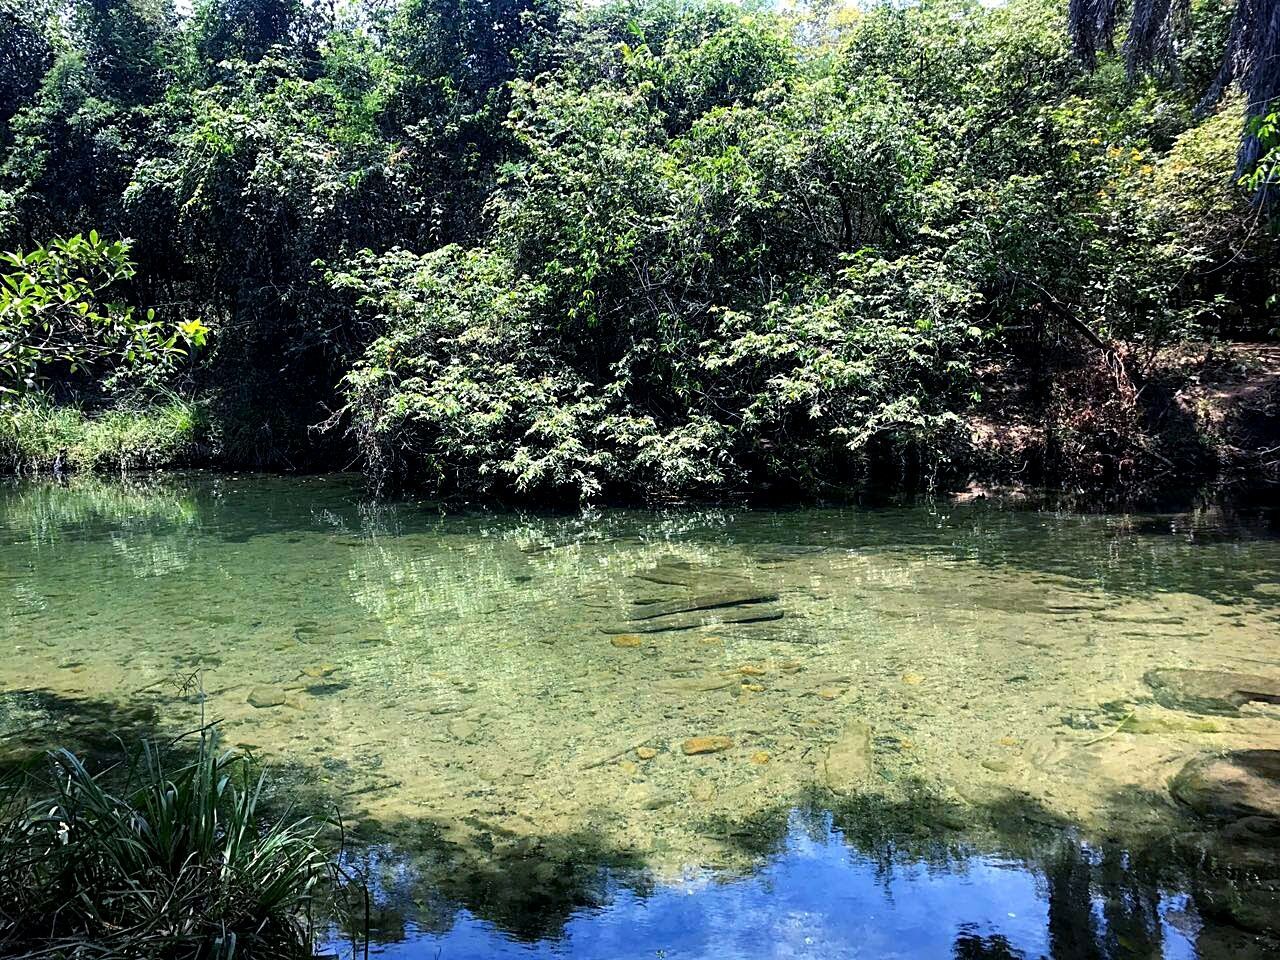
(55, 315)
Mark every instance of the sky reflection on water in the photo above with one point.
(818, 899)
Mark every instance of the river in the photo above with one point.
(930, 731)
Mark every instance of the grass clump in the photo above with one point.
(39, 436)
(179, 861)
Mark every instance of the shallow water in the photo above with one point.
(933, 733)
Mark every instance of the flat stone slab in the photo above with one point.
(1210, 691)
(696, 684)
(693, 619)
(697, 745)
(265, 697)
(1243, 783)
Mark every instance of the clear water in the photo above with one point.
(937, 737)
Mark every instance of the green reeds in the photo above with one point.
(176, 861)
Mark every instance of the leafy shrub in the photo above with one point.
(463, 390)
(469, 389)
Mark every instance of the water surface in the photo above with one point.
(933, 733)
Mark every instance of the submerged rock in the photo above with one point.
(1242, 856)
(846, 764)
(462, 729)
(599, 754)
(702, 790)
(1210, 691)
(1243, 783)
(1250, 844)
(264, 697)
(1256, 909)
(684, 667)
(325, 689)
(668, 573)
(695, 685)
(696, 745)
(1163, 725)
(646, 796)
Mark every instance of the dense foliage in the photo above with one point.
(1250, 59)
(672, 248)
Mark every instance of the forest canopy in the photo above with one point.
(670, 248)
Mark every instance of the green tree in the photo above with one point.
(55, 320)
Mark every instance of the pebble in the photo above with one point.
(704, 791)
(646, 753)
(913, 679)
(760, 758)
(828, 693)
(626, 640)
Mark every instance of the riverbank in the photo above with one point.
(1203, 421)
(1200, 420)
